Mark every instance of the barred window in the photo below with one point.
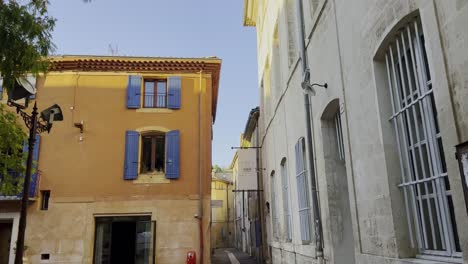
(425, 183)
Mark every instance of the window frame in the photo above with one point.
(45, 198)
(424, 178)
(153, 135)
(155, 95)
(105, 219)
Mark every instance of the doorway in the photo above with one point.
(6, 228)
(337, 185)
(124, 239)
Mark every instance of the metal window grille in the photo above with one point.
(425, 184)
(339, 136)
(286, 201)
(274, 213)
(303, 192)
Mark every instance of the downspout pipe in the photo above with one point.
(200, 171)
(259, 193)
(309, 145)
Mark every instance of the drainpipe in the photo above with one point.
(259, 192)
(200, 172)
(308, 106)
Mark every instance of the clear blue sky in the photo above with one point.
(172, 28)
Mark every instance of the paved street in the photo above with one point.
(231, 256)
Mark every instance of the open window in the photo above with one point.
(153, 153)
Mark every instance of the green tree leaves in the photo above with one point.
(12, 138)
(25, 38)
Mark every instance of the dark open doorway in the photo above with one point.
(5, 240)
(123, 242)
(124, 239)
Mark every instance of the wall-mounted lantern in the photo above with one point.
(462, 156)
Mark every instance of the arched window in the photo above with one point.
(274, 213)
(286, 200)
(424, 178)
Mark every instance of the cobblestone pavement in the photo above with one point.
(231, 256)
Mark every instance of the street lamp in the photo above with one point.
(24, 89)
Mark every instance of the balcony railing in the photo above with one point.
(155, 100)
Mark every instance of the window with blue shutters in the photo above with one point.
(131, 155)
(159, 154)
(173, 154)
(155, 92)
(133, 91)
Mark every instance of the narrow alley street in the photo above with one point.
(231, 256)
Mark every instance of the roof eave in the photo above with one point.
(210, 65)
(250, 14)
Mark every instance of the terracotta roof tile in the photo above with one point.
(142, 64)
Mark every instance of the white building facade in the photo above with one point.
(383, 132)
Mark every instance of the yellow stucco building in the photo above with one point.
(222, 210)
(125, 178)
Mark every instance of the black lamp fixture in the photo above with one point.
(23, 89)
(309, 87)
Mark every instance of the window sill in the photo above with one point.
(436, 259)
(152, 178)
(154, 110)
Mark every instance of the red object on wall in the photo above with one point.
(191, 257)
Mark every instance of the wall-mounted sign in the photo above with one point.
(216, 203)
(462, 156)
(247, 170)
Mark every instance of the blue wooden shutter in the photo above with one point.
(174, 92)
(173, 154)
(133, 91)
(131, 155)
(34, 179)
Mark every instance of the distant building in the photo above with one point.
(125, 178)
(383, 132)
(247, 198)
(222, 210)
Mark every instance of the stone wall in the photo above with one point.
(344, 42)
(66, 231)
